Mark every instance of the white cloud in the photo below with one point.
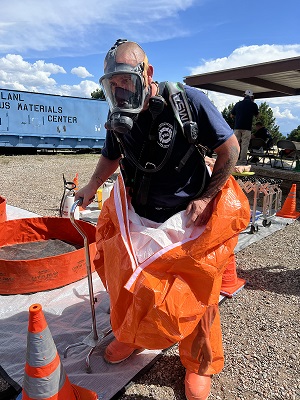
(71, 27)
(247, 55)
(81, 72)
(83, 89)
(15, 63)
(283, 114)
(18, 74)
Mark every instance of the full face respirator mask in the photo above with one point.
(124, 90)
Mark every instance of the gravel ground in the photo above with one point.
(261, 330)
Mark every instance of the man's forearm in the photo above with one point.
(104, 169)
(222, 169)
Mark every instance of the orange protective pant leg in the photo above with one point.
(202, 351)
(203, 355)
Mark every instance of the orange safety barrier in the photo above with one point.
(3, 216)
(288, 209)
(231, 284)
(19, 276)
(44, 375)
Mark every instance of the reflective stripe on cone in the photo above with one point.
(45, 377)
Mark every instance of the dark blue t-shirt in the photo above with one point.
(244, 111)
(170, 186)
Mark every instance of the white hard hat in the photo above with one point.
(249, 92)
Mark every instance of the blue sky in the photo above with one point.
(59, 46)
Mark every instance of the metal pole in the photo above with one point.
(88, 264)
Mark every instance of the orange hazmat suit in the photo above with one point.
(171, 294)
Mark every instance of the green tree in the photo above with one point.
(98, 94)
(295, 134)
(266, 117)
(226, 115)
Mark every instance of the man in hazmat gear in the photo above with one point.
(169, 228)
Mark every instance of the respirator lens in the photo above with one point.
(123, 91)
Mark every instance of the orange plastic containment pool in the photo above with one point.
(30, 260)
(2, 209)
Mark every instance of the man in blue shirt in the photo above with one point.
(243, 113)
(164, 172)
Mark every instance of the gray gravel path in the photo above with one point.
(261, 330)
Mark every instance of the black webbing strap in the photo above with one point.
(185, 158)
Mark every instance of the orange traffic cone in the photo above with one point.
(231, 284)
(76, 183)
(3, 216)
(76, 180)
(288, 209)
(45, 377)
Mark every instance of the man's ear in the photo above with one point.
(149, 75)
(150, 70)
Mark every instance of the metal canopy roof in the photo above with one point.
(270, 79)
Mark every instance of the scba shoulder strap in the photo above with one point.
(182, 110)
(184, 115)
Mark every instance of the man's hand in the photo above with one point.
(104, 169)
(199, 211)
(87, 193)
